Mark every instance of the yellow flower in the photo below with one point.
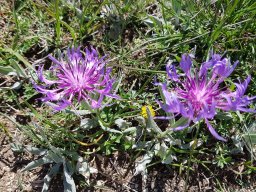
(144, 111)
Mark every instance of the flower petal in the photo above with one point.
(186, 63)
(213, 132)
(42, 78)
(171, 71)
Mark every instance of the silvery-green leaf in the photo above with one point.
(153, 21)
(78, 112)
(35, 150)
(68, 181)
(160, 149)
(169, 159)
(239, 145)
(122, 124)
(20, 71)
(237, 141)
(56, 154)
(141, 166)
(47, 179)
(163, 149)
(251, 128)
(171, 141)
(143, 145)
(130, 129)
(5, 70)
(84, 169)
(192, 144)
(151, 124)
(8, 70)
(82, 166)
(129, 138)
(182, 121)
(241, 118)
(12, 74)
(55, 157)
(108, 129)
(141, 120)
(57, 151)
(157, 148)
(15, 86)
(250, 138)
(156, 21)
(87, 123)
(19, 57)
(37, 163)
(17, 147)
(196, 143)
(175, 142)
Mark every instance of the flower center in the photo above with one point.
(198, 98)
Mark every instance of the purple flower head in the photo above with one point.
(76, 77)
(198, 93)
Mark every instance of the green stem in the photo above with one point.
(191, 156)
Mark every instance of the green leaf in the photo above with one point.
(122, 124)
(16, 85)
(130, 129)
(87, 123)
(68, 181)
(78, 112)
(35, 150)
(141, 166)
(182, 121)
(37, 163)
(19, 70)
(47, 179)
(152, 21)
(240, 116)
(108, 129)
(55, 155)
(84, 169)
(151, 124)
(19, 56)
(250, 138)
(17, 147)
(71, 30)
(169, 158)
(5, 70)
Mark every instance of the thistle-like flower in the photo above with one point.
(76, 77)
(199, 93)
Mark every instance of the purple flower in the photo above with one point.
(76, 77)
(198, 93)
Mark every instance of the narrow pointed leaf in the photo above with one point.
(37, 163)
(47, 179)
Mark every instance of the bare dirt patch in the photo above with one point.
(11, 176)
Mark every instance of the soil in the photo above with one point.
(11, 177)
